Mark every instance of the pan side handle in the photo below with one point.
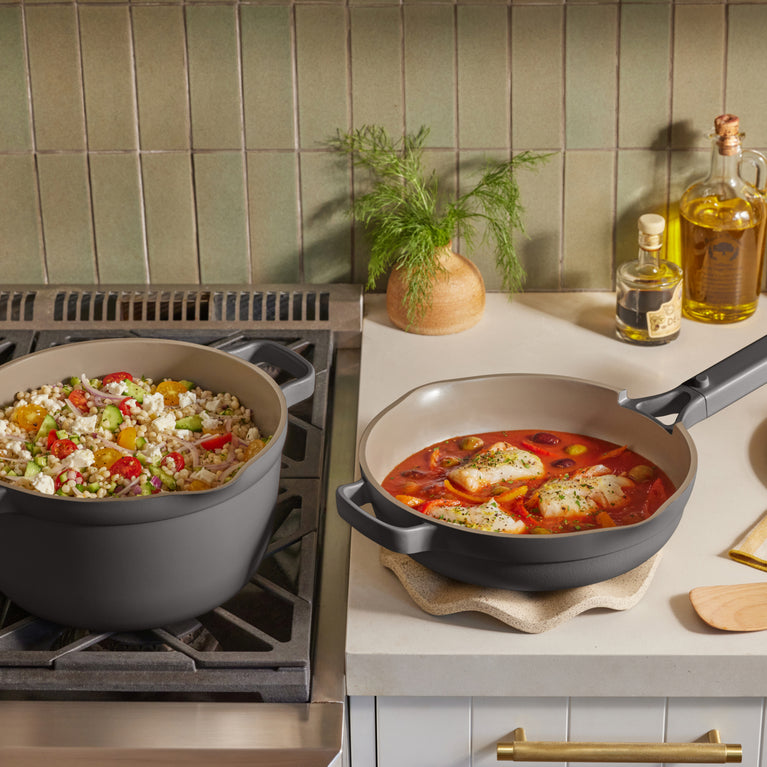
(302, 386)
(403, 540)
(709, 391)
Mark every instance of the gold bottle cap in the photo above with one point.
(727, 128)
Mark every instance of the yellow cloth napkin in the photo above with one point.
(752, 550)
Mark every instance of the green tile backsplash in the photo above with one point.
(155, 141)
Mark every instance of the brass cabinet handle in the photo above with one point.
(713, 752)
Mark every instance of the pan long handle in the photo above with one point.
(403, 540)
(709, 391)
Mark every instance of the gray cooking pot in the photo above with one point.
(139, 562)
(446, 409)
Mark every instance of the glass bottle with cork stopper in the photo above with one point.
(722, 222)
(649, 290)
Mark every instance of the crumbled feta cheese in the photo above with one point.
(114, 387)
(153, 455)
(204, 475)
(186, 398)
(184, 434)
(51, 405)
(252, 434)
(214, 405)
(3, 427)
(165, 422)
(79, 459)
(84, 424)
(43, 483)
(20, 449)
(209, 423)
(154, 404)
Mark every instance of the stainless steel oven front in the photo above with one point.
(258, 680)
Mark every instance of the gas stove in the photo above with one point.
(259, 647)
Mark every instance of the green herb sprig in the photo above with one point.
(407, 225)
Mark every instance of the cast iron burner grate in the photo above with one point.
(255, 647)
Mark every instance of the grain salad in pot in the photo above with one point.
(123, 435)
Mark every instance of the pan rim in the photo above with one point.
(450, 527)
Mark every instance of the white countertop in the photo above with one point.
(660, 647)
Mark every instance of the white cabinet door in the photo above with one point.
(423, 732)
(464, 732)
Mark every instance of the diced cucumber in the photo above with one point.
(93, 487)
(132, 389)
(168, 481)
(140, 442)
(189, 385)
(32, 469)
(41, 460)
(190, 422)
(49, 422)
(147, 488)
(111, 418)
(62, 434)
(74, 381)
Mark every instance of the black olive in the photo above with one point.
(544, 438)
(563, 463)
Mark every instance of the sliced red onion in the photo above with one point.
(234, 467)
(156, 482)
(129, 487)
(96, 393)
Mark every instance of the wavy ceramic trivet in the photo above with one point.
(531, 612)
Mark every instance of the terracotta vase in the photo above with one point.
(457, 301)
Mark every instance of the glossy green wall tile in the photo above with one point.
(110, 97)
(273, 212)
(644, 103)
(186, 141)
(537, 80)
(56, 77)
(590, 76)
(214, 77)
(267, 73)
(15, 126)
(483, 76)
(118, 218)
(161, 77)
(589, 210)
(430, 78)
(65, 203)
(222, 219)
(376, 67)
(21, 254)
(171, 225)
(322, 71)
(699, 58)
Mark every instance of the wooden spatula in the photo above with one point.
(741, 607)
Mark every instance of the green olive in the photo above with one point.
(540, 531)
(641, 472)
(449, 461)
(471, 443)
(576, 449)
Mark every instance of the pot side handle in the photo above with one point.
(709, 391)
(302, 385)
(403, 540)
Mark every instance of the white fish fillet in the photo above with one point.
(582, 495)
(488, 516)
(501, 462)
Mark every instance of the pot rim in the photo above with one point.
(267, 453)
(451, 528)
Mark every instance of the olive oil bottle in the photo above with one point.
(722, 221)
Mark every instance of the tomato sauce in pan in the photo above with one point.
(568, 482)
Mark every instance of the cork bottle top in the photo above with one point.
(651, 223)
(727, 128)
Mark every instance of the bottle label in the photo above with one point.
(667, 318)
